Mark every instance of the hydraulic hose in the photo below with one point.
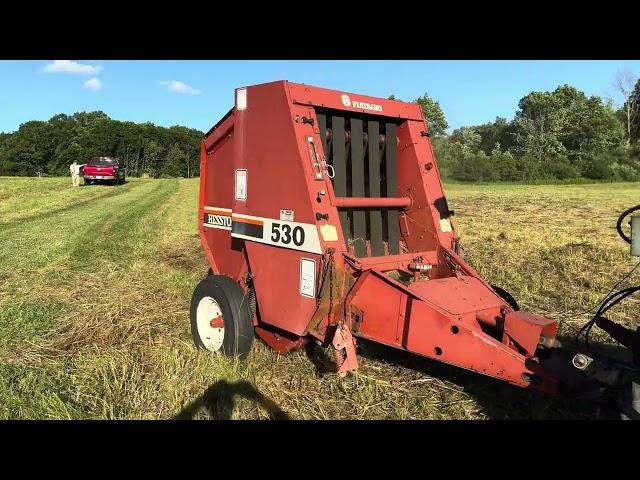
(621, 219)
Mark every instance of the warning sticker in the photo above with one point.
(286, 215)
(241, 184)
(307, 277)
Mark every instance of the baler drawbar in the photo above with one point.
(323, 218)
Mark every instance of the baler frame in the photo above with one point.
(348, 186)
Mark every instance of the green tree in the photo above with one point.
(433, 114)
(49, 147)
(467, 138)
(500, 132)
(436, 121)
(175, 165)
(633, 105)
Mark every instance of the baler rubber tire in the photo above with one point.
(234, 303)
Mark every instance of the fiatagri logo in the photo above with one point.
(347, 102)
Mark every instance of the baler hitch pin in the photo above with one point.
(581, 361)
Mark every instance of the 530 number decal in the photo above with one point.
(283, 233)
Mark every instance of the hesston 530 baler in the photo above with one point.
(323, 218)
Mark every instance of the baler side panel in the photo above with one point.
(272, 148)
(427, 221)
(223, 252)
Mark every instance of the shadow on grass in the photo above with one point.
(321, 361)
(498, 400)
(219, 401)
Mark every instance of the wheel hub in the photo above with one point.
(210, 324)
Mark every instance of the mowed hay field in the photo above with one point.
(95, 285)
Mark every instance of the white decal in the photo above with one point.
(241, 184)
(347, 102)
(445, 225)
(222, 221)
(307, 277)
(241, 99)
(217, 217)
(286, 215)
(280, 233)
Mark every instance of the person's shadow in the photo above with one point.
(219, 400)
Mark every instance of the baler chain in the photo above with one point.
(330, 284)
(328, 270)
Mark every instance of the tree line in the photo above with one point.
(558, 135)
(49, 147)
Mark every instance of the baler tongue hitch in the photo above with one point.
(623, 335)
(323, 217)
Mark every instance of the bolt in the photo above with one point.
(581, 361)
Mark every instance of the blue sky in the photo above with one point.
(198, 93)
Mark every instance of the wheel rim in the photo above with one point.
(210, 324)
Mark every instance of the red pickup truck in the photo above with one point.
(103, 169)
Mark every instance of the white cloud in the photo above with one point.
(176, 86)
(93, 84)
(67, 66)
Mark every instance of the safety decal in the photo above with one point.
(241, 184)
(307, 277)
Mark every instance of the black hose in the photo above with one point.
(612, 300)
(608, 303)
(621, 218)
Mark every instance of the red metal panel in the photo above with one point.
(432, 334)
(394, 262)
(271, 145)
(223, 130)
(458, 295)
(224, 253)
(380, 318)
(526, 329)
(419, 178)
(353, 102)
(405, 321)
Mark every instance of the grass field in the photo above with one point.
(95, 284)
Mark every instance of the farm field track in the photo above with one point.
(95, 285)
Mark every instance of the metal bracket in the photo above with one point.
(345, 349)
